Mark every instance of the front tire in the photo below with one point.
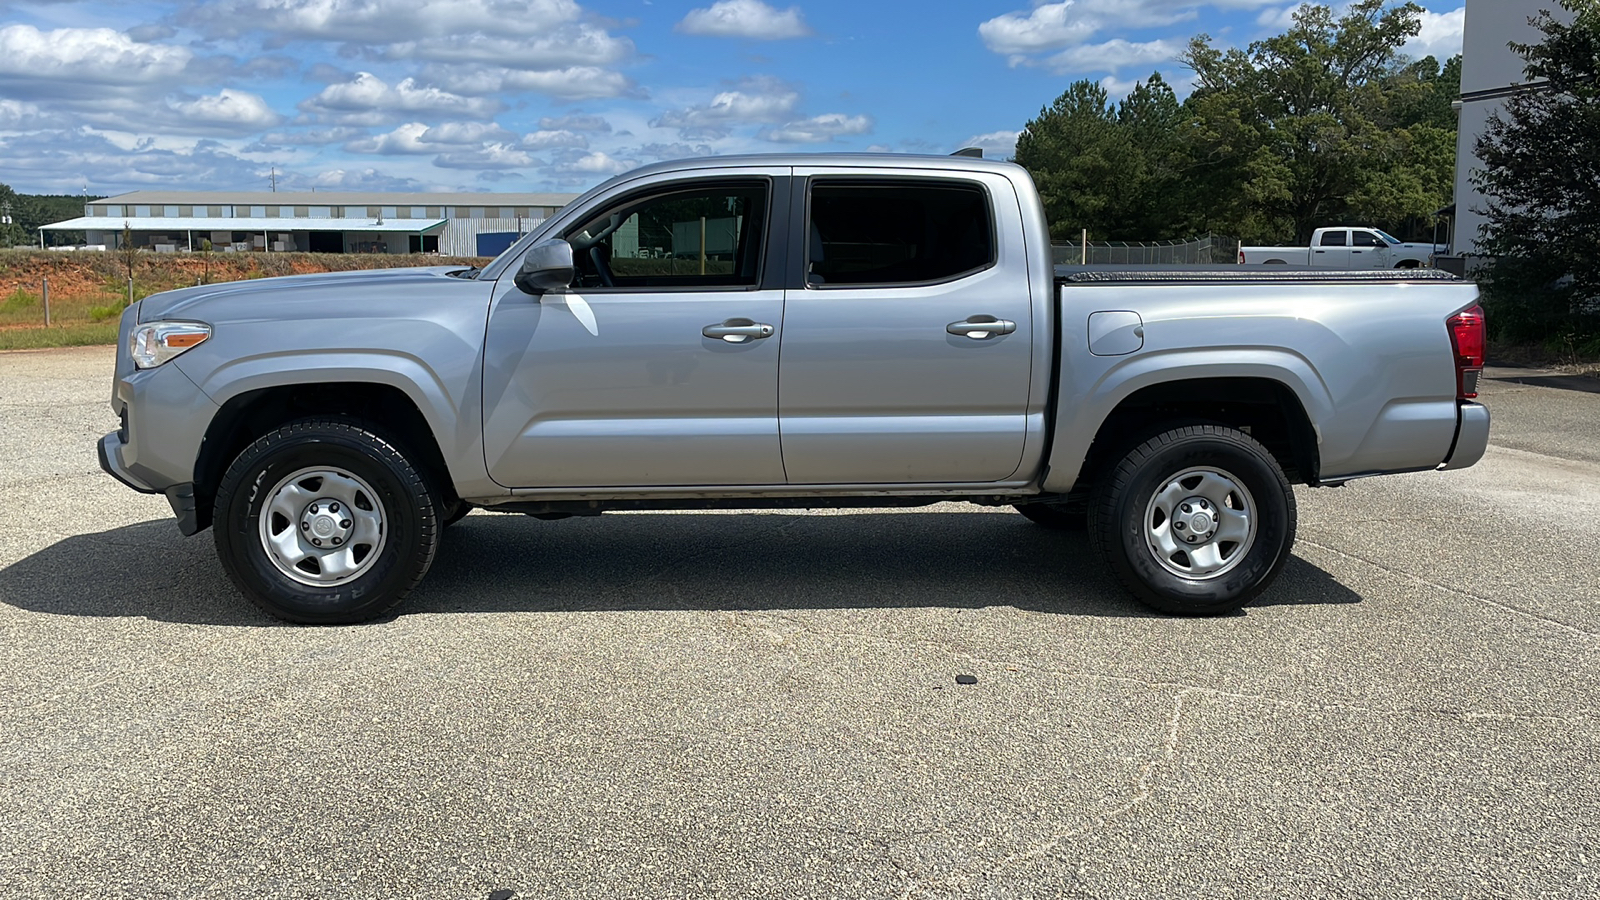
(1196, 521)
(324, 521)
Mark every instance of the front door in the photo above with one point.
(659, 367)
(907, 352)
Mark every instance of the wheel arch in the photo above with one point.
(1271, 407)
(249, 414)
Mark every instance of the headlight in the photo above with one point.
(156, 343)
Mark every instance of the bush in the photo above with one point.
(102, 313)
(19, 299)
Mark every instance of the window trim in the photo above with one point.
(803, 229)
(764, 268)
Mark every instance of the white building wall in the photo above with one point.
(1489, 69)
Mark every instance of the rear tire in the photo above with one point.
(324, 521)
(1196, 521)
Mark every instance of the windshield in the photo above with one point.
(1389, 237)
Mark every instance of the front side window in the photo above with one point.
(888, 233)
(1333, 238)
(701, 236)
(1366, 239)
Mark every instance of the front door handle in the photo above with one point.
(737, 331)
(981, 328)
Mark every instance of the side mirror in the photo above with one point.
(546, 267)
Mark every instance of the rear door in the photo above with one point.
(1332, 250)
(907, 333)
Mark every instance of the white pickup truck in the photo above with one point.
(1346, 248)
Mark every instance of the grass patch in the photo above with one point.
(19, 300)
(61, 336)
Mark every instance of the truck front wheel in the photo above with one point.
(1196, 521)
(323, 521)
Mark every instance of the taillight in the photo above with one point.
(1466, 339)
(1241, 256)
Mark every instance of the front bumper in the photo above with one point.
(1472, 435)
(111, 463)
(179, 496)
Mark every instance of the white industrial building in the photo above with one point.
(1490, 72)
(341, 222)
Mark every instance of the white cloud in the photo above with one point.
(543, 140)
(466, 133)
(78, 56)
(818, 129)
(489, 156)
(367, 98)
(1054, 26)
(230, 109)
(575, 122)
(1279, 20)
(751, 19)
(406, 139)
(1440, 36)
(1114, 55)
(16, 114)
(573, 83)
(595, 163)
(1049, 26)
(995, 143)
(351, 180)
(757, 100)
(379, 21)
(578, 45)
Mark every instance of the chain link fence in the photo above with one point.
(1209, 249)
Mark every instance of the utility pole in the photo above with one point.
(274, 179)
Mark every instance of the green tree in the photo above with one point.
(1108, 168)
(1302, 130)
(1541, 180)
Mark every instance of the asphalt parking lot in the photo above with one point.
(765, 705)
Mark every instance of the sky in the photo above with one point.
(107, 96)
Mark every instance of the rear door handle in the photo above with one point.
(981, 328)
(737, 331)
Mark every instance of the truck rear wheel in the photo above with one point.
(1196, 521)
(324, 521)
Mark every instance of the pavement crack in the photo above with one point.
(1143, 790)
(1548, 620)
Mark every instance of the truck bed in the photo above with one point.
(1233, 273)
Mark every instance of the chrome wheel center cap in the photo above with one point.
(325, 523)
(1195, 520)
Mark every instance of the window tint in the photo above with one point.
(1333, 238)
(704, 236)
(1366, 239)
(897, 233)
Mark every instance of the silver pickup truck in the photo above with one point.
(785, 331)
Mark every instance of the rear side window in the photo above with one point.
(897, 233)
(1333, 238)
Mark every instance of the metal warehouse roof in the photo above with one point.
(243, 223)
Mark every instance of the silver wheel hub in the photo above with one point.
(322, 527)
(1200, 523)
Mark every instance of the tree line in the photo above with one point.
(1328, 123)
(29, 211)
